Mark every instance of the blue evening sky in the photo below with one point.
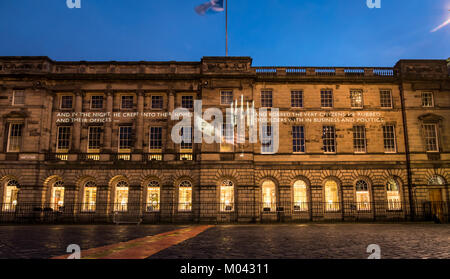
(272, 32)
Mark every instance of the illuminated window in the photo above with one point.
(63, 141)
(431, 140)
(97, 102)
(389, 139)
(153, 195)
(297, 99)
(326, 98)
(226, 97)
(356, 98)
(298, 139)
(10, 195)
(386, 98)
(329, 139)
(121, 197)
(89, 197)
(331, 196)
(185, 196)
(427, 100)
(269, 197)
(362, 195)
(186, 144)
(300, 196)
(127, 102)
(267, 139)
(436, 180)
(359, 139)
(187, 102)
(393, 195)
(155, 139)
(94, 137)
(266, 99)
(57, 196)
(125, 139)
(66, 102)
(227, 196)
(15, 137)
(18, 97)
(157, 102)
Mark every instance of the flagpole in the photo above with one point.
(226, 27)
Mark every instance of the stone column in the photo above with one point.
(108, 127)
(169, 145)
(77, 124)
(134, 200)
(102, 202)
(47, 127)
(140, 123)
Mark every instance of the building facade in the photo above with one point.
(92, 141)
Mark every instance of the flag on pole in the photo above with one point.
(212, 5)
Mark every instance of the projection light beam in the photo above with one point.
(441, 26)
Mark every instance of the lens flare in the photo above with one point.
(441, 26)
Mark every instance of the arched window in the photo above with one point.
(269, 197)
(393, 194)
(331, 196)
(153, 195)
(300, 196)
(227, 196)
(362, 195)
(121, 196)
(89, 196)
(57, 195)
(436, 180)
(185, 196)
(10, 195)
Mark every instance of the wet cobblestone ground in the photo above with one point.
(315, 241)
(291, 241)
(41, 242)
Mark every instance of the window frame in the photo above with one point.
(92, 101)
(301, 139)
(13, 101)
(182, 103)
(222, 97)
(155, 150)
(333, 139)
(352, 102)
(94, 150)
(125, 150)
(61, 102)
(323, 100)
(391, 99)
(69, 139)
(20, 141)
(263, 99)
(300, 98)
(122, 96)
(394, 138)
(151, 101)
(363, 139)
(436, 137)
(432, 99)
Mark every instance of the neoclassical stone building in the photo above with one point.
(91, 141)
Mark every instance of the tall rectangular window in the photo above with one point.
(359, 139)
(63, 142)
(267, 139)
(155, 139)
(427, 100)
(18, 97)
(97, 102)
(187, 102)
(186, 138)
(125, 139)
(356, 98)
(66, 102)
(297, 99)
(386, 98)
(227, 144)
(226, 97)
(326, 98)
(298, 139)
(431, 140)
(389, 139)
(157, 102)
(15, 137)
(127, 102)
(329, 139)
(94, 136)
(266, 99)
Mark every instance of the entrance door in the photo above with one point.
(436, 203)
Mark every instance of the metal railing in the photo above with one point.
(215, 212)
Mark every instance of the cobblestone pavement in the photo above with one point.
(314, 241)
(290, 241)
(38, 242)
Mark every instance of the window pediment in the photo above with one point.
(430, 118)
